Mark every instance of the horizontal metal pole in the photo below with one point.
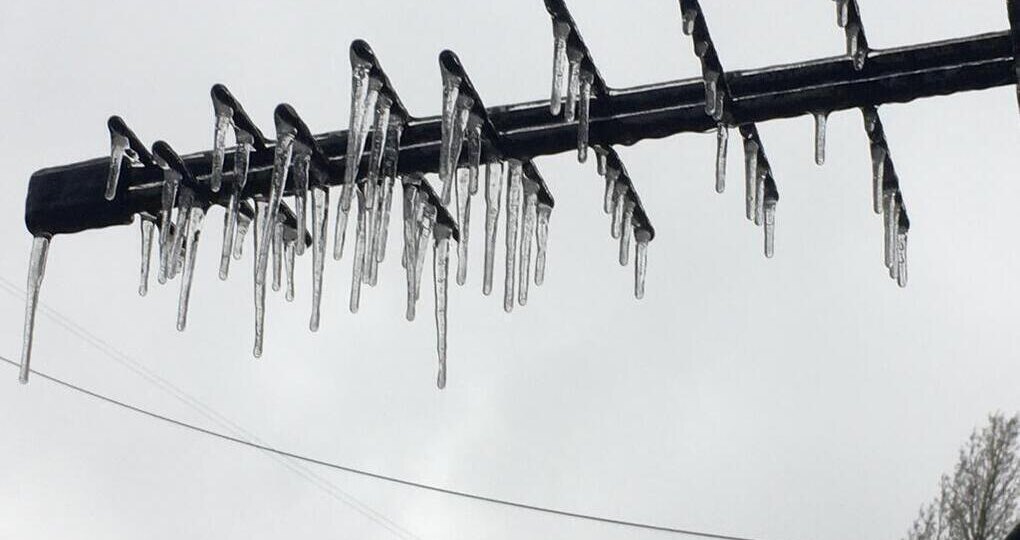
(69, 199)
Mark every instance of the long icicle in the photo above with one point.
(821, 120)
(278, 254)
(574, 58)
(359, 253)
(542, 239)
(463, 220)
(36, 269)
(584, 121)
(527, 239)
(626, 230)
(364, 93)
(224, 123)
(195, 215)
(561, 31)
(289, 253)
(722, 144)
(300, 165)
(514, 193)
(410, 252)
(259, 238)
(493, 190)
(643, 238)
(440, 273)
(233, 234)
(428, 219)
(320, 219)
(750, 176)
(457, 131)
(148, 225)
(281, 163)
(619, 196)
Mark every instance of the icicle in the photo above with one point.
(392, 156)
(574, 58)
(364, 93)
(856, 47)
(626, 230)
(243, 224)
(171, 181)
(750, 176)
(373, 182)
(384, 227)
(619, 193)
(424, 231)
(164, 254)
(359, 253)
(474, 147)
(36, 269)
(320, 219)
(277, 254)
(821, 119)
(722, 143)
(601, 160)
(340, 232)
(770, 227)
(260, 238)
(690, 17)
(120, 147)
(713, 94)
(527, 238)
(515, 190)
(842, 12)
(409, 257)
(301, 163)
(878, 156)
(891, 219)
(464, 220)
(281, 163)
(455, 145)
(194, 230)
(542, 238)
(289, 252)
(561, 31)
(759, 197)
(643, 237)
(148, 225)
(174, 256)
(584, 123)
(609, 199)
(901, 259)
(493, 190)
(224, 123)
(440, 273)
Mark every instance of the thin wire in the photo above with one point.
(377, 476)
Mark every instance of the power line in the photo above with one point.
(377, 476)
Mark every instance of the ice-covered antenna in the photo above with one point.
(385, 143)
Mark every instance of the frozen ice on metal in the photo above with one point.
(515, 192)
(320, 220)
(561, 31)
(574, 58)
(224, 123)
(300, 164)
(529, 217)
(619, 195)
(821, 119)
(148, 228)
(542, 238)
(722, 144)
(626, 231)
(281, 164)
(750, 176)
(463, 220)
(194, 229)
(235, 227)
(36, 269)
(584, 122)
(643, 238)
(493, 191)
(440, 273)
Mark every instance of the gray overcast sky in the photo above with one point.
(799, 398)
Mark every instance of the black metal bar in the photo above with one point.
(69, 199)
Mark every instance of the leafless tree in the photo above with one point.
(980, 500)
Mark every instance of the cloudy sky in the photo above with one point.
(799, 398)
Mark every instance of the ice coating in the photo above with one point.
(901, 259)
(514, 194)
(289, 253)
(527, 238)
(464, 220)
(281, 163)
(148, 228)
(320, 219)
(243, 224)
(301, 163)
(601, 160)
(424, 231)
(821, 119)
(359, 253)
(36, 269)
(643, 238)
(584, 121)
(119, 145)
(384, 225)
(440, 274)
(473, 138)
(842, 12)
(619, 194)
(224, 123)
(168, 198)
(410, 250)
(493, 191)
(713, 95)
(277, 254)
(173, 256)
(626, 231)
(454, 145)
(690, 16)
(722, 143)
(561, 31)
(878, 157)
(234, 227)
(750, 176)
(770, 228)
(542, 239)
(574, 58)
(340, 231)
(364, 93)
(373, 184)
(194, 230)
(259, 240)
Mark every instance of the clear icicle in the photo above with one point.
(759, 197)
(891, 220)
(340, 232)
(561, 31)
(584, 122)
(289, 253)
(722, 144)
(148, 229)
(373, 183)
(643, 238)
(259, 238)
(842, 12)
(428, 219)
(626, 232)
(770, 228)
(277, 254)
(224, 123)
(243, 224)
(601, 160)
(320, 220)
(364, 93)
(119, 145)
(474, 147)
(455, 145)
(281, 163)
(195, 215)
(440, 273)
(464, 220)
(542, 239)
(168, 198)
(411, 207)
(878, 157)
(515, 190)
(493, 191)
(856, 48)
(609, 198)
(527, 239)
(177, 248)
(36, 269)
(359, 253)
(384, 227)
(821, 119)
(690, 16)
(574, 58)
(301, 163)
(164, 253)
(619, 194)
(901, 259)
(750, 176)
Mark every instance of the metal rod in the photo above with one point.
(70, 198)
